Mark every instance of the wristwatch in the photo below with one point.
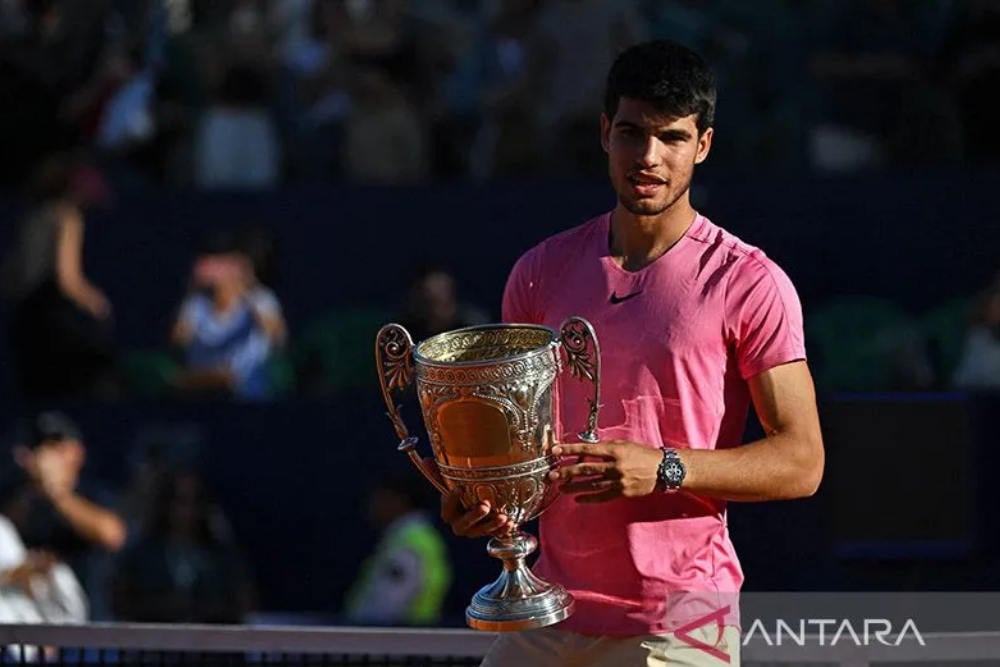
(671, 471)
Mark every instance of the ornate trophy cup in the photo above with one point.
(486, 397)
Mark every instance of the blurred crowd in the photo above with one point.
(255, 93)
(74, 549)
(159, 548)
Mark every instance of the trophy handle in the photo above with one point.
(394, 358)
(583, 356)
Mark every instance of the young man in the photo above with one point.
(693, 325)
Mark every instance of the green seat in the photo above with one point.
(337, 351)
(148, 373)
(857, 343)
(945, 327)
(281, 374)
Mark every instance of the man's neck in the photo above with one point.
(225, 299)
(636, 241)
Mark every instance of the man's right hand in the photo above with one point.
(478, 521)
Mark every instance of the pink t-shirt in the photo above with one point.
(678, 340)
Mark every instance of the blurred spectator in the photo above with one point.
(431, 305)
(585, 37)
(515, 63)
(228, 326)
(157, 450)
(50, 49)
(236, 144)
(53, 507)
(406, 578)
(385, 139)
(35, 586)
(882, 105)
(185, 568)
(979, 367)
(61, 322)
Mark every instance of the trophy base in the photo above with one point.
(517, 600)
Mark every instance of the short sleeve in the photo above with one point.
(764, 317)
(265, 302)
(521, 294)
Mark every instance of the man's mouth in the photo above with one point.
(646, 185)
(646, 179)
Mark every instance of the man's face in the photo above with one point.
(651, 156)
(69, 451)
(219, 270)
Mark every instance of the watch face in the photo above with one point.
(674, 472)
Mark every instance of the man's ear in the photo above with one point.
(23, 456)
(605, 132)
(704, 145)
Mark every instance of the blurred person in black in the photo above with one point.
(49, 502)
(185, 567)
(61, 329)
(432, 304)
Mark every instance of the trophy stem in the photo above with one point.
(517, 600)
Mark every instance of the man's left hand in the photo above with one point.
(607, 470)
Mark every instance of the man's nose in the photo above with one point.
(648, 154)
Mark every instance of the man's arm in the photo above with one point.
(91, 521)
(57, 480)
(787, 463)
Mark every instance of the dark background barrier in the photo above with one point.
(904, 507)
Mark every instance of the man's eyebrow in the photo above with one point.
(675, 133)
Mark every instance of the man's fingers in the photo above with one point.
(588, 469)
(477, 524)
(602, 450)
(480, 520)
(495, 524)
(451, 506)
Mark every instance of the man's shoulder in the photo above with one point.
(744, 259)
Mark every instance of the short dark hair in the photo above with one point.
(675, 79)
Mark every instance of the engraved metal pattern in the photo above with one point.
(394, 358)
(517, 490)
(540, 362)
(583, 358)
(486, 343)
(500, 454)
(543, 464)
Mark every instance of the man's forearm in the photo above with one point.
(91, 521)
(779, 467)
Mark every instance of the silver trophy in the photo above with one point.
(486, 396)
